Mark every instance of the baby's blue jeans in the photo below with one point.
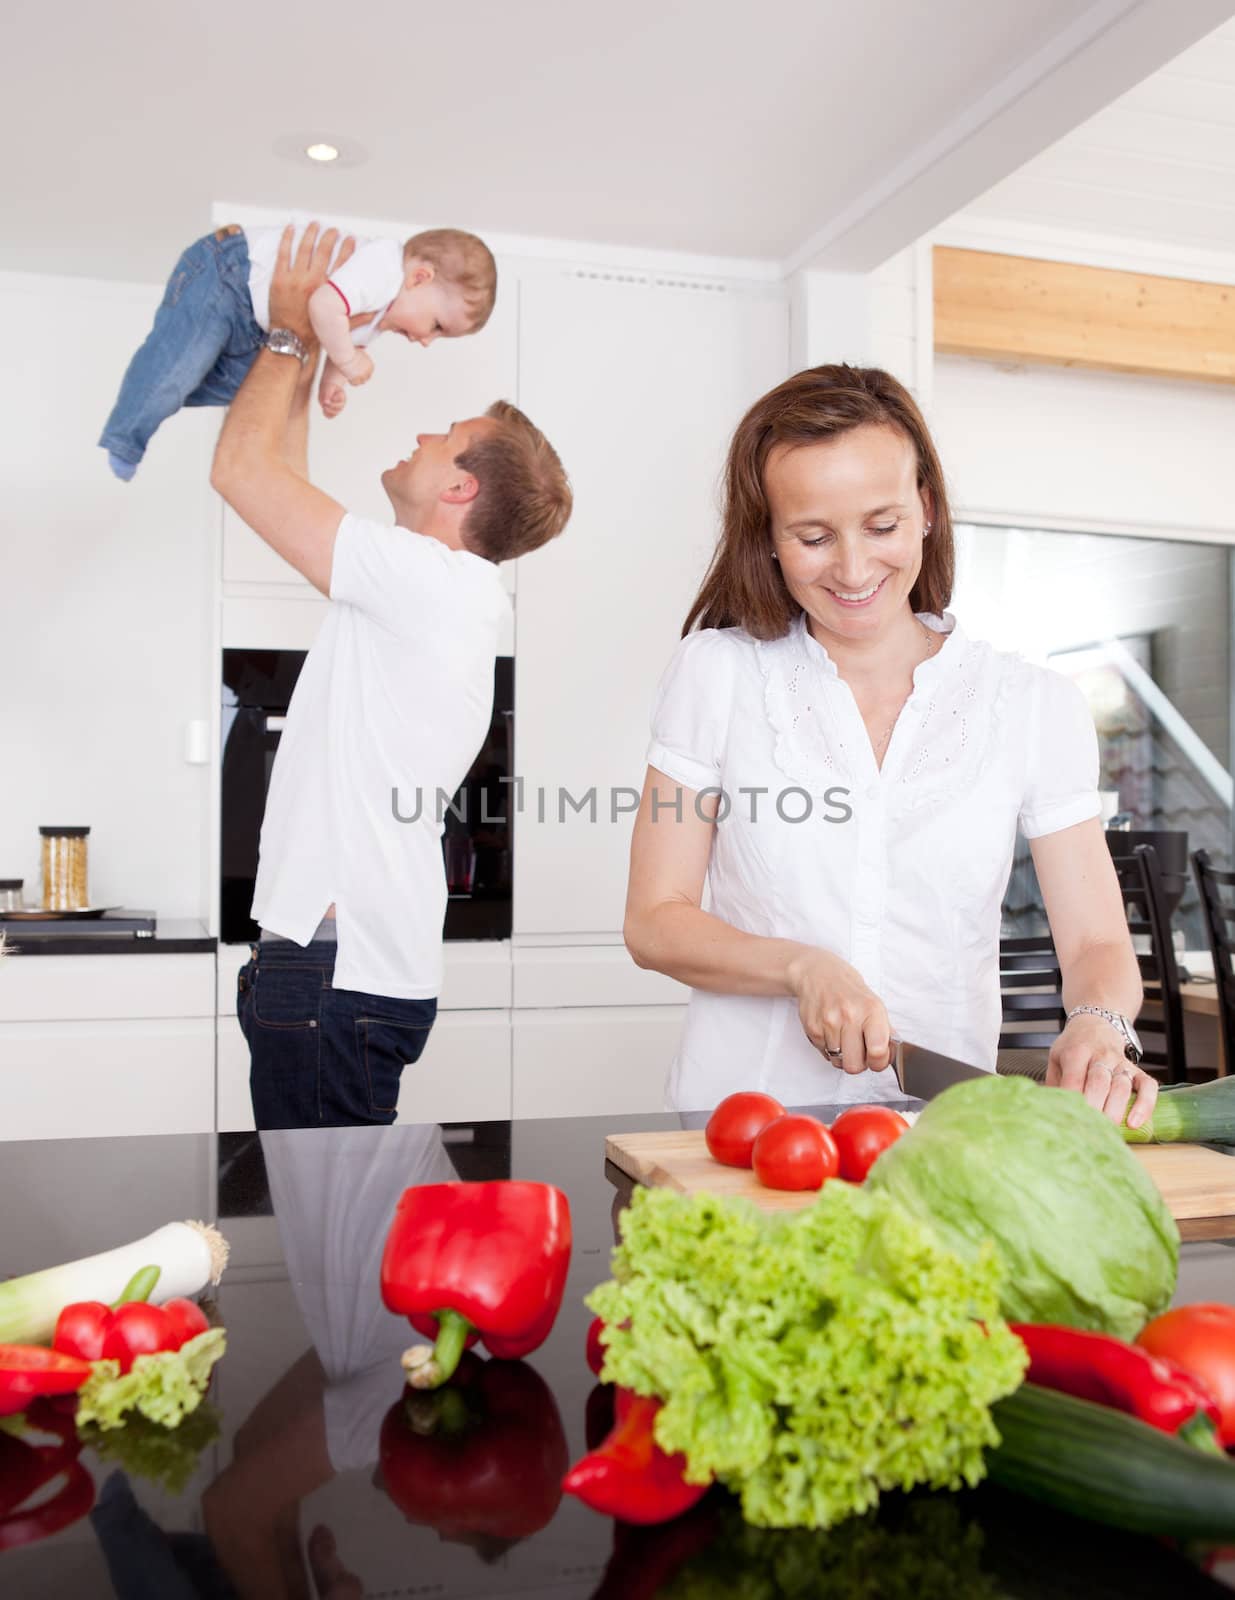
(199, 351)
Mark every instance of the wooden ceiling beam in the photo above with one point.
(1012, 308)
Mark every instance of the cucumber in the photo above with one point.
(1107, 1467)
(1193, 1113)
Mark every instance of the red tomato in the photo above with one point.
(81, 1329)
(736, 1123)
(185, 1320)
(795, 1152)
(137, 1329)
(30, 1370)
(862, 1135)
(1200, 1339)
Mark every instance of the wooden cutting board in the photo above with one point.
(1197, 1184)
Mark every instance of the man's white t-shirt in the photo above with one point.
(392, 705)
(368, 281)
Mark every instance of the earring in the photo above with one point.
(926, 530)
(775, 557)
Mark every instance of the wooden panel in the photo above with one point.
(1010, 307)
(1197, 1184)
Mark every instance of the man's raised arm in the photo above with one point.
(261, 456)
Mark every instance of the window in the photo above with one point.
(1144, 627)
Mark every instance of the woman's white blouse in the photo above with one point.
(900, 871)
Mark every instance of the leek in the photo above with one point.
(1193, 1113)
(188, 1255)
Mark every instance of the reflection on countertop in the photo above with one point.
(319, 1479)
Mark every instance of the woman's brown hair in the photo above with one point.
(743, 587)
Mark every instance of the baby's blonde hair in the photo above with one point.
(463, 261)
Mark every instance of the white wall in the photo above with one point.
(106, 603)
(1044, 446)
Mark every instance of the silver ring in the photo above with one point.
(833, 1055)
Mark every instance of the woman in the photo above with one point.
(844, 771)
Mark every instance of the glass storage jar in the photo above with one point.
(64, 869)
(10, 894)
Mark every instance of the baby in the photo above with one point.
(215, 316)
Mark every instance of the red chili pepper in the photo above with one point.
(29, 1370)
(480, 1460)
(1094, 1366)
(476, 1260)
(629, 1476)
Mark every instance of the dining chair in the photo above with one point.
(1217, 892)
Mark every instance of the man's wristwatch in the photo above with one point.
(286, 343)
(1132, 1044)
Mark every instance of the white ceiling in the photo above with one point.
(1157, 165)
(790, 130)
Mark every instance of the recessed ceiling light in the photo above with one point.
(320, 147)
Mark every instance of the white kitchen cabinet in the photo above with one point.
(464, 1073)
(104, 1044)
(638, 383)
(593, 1060)
(39, 988)
(83, 1079)
(589, 975)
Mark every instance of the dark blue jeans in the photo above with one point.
(199, 351)
(321, 1057)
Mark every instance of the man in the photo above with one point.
(396, 695)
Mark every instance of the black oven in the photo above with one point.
(477, 839)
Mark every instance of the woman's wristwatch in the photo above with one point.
(1132, 1044)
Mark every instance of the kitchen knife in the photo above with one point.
(923, 1073)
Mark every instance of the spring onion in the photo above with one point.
(189, 1255)
(1194, 1113)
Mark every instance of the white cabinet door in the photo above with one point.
(233, 1104)
(464, 1073)
(412, 391)
(80, 1080)
(639, 386)
(593, 1060)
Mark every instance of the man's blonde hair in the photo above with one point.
(464, 262)
(525, 498)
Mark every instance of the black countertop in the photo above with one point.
(172, 936)
(288, 1500)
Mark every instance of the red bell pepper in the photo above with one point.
(29, 1370)
(629, 1476)
(481, 1460)
(595, 1353)
(476, 1260)
(1094, 1366)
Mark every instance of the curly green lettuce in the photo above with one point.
(809, 1360)
(164, 1387)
